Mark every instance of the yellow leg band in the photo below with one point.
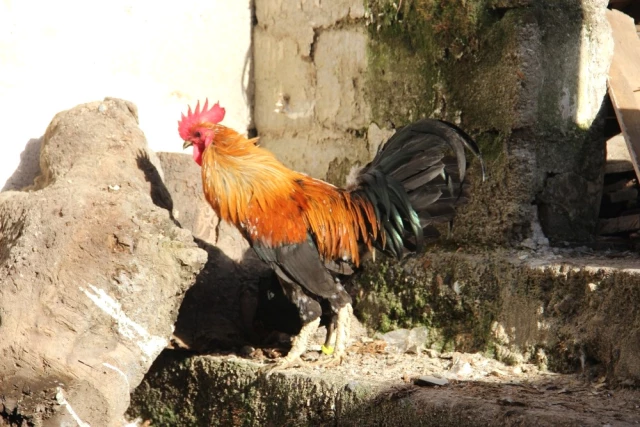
(328, 350)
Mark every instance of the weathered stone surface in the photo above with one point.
(283, 81)
(568, 311)
(204, 390)
(341, 62)
(92, 271)
(526, 80)
(310, 61)
(292, 18)
(183, 181)
(539, 313)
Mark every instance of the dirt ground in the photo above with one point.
(491, 387)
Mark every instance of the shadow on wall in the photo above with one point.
(159, 193)
(231, 306)
(28, 169)
(234, 301)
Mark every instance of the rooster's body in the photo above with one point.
(309, 231)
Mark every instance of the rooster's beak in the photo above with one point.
(186, 145)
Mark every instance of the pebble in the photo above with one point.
(311, 356)
(246, 351)
(462, 369)
(431, 353)
(430, 381)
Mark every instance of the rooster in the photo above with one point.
(310, 232)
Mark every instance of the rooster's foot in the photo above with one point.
(330, 359)
(298, 347)
(341, 331)
(282, 365)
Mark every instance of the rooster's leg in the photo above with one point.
(342, 331)
(329, 342)
(298, 347)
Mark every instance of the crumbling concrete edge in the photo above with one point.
(188, 390)
(565, 311)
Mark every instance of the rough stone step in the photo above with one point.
(565, 310)
(538, 311)
(571, 309)
(224, 390)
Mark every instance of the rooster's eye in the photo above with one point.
(197, 134)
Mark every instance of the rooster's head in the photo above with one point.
(198, 127)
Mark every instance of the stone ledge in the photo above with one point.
(222, 390)
(565, 309)
(576, 307)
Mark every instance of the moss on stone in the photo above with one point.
(187, 390)
(417, 292)
(339, 169)
(432, 58)
(495, 304)
(454, 60)
(508, 72)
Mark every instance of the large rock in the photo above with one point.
(92, 271)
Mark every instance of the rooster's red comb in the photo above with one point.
(215, 114)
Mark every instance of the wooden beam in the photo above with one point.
(619, 225)
(615, 186)
(624, 81)
(624, 195)
(619, 3)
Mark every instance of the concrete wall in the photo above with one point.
(310, 72)
(161, 56)
(526, 78)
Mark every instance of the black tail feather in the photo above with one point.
(415, 181)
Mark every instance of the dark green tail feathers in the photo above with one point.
(415, 181)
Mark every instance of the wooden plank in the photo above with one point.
(624, 195)
(618, 185)
(619, 3)
(624, 81)
(620, 224)
(611, 243)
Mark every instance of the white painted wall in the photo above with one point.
(160, 55)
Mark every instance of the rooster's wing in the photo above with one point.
(300, 263)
